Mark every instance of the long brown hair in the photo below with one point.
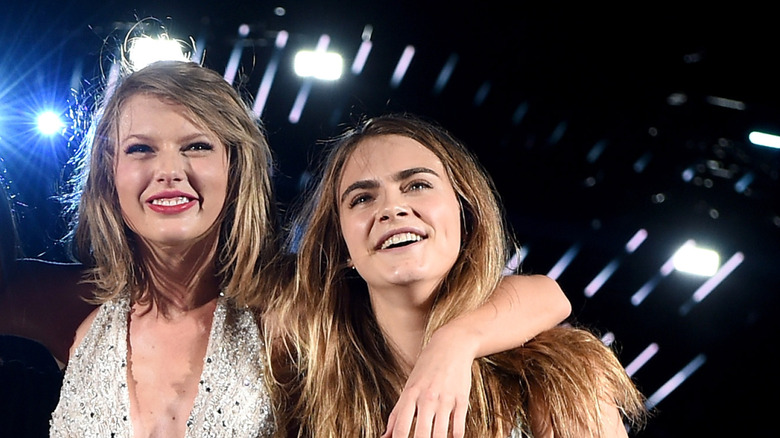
(344, 378)
(338, 335)
(246, 232)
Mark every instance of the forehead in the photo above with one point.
(145, 111)
(384, 156)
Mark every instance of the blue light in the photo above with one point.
(49, 123)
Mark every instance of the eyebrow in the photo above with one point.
(408, 173)
(399, 176)
(147, 138)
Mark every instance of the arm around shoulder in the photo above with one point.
(521, 307)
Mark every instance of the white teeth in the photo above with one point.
(400, 238)
(171, 201)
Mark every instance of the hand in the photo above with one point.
(436, 395)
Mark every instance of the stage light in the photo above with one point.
(612, 266)
(642, 359)
(564, 261)
(764, 139)
(402, 67)
(696, 260)
(326, 66)
(146, 50)
(49, 123)
(675, 381)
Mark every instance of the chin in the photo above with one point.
(175, 239)
(411, 277)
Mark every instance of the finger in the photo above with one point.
(390, 425)
(441, 425)
(441, 422)
(404, 416)
(459, 420)
(425, 415)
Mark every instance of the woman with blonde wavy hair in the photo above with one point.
(402, 235)
(174, 218)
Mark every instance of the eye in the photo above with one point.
(360, 198)
(199, 147)
(418, 185)
(138, 149)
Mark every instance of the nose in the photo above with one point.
(392, 208)
(171, 166)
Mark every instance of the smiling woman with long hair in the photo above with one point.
(174, 220)
(402, 234)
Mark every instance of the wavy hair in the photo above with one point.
(103, 241)
(336, 374)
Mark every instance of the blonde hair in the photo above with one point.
(246, 231)
(345, 378)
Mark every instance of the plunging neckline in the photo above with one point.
(231, 400)
(217, 322)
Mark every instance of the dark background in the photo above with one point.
(537, 94)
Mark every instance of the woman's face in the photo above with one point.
(171, 174)
(399, 214)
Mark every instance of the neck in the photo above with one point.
(402, 315)
(181, 278)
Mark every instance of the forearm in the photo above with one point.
(521, 307)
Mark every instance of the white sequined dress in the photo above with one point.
(231, 402)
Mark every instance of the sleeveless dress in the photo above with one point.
(232, 400)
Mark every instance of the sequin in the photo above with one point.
(225, 405)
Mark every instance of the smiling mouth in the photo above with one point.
(170, 202)
(399, 240)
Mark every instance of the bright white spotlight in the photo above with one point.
(146, 50)
(764, 139)
(326, 66)
(49, 123)
(695, 260)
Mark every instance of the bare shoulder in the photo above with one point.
(82, 330)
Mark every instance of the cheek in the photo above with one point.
(456, 238)
(452, 221)
(210, 179)
(222, 182)
(355, 230)
(224, 176)
(347, 233)
(126, 182)
(128, 196)
(451, 215)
